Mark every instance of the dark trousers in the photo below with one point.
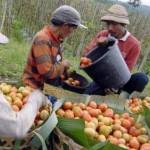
(137, 82)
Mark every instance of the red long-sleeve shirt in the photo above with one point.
(128, 45)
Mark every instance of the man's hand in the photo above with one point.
(66, 64)
(109, 41)
(102, 40)
(111, 91)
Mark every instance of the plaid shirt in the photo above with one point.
(44, 60)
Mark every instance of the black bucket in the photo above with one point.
(108, 68)
(78, 89)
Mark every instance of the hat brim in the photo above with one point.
(115, 19)
(82, 26)
(3, 39)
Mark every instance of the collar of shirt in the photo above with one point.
(56, 38)
(124, 38)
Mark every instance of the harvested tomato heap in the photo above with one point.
(84, 62)
(41, 116)
(102, 123)
(18, 97)
(136, 105)
(72, 81)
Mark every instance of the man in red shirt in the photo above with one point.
(116, 20)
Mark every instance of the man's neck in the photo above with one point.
(122, 34)
(56, 31)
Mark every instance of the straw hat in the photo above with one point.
(116, 13)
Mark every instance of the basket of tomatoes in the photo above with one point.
(75, 82)
(17, 97)
(104, 125)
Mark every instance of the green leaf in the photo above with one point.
(106, 146)
(147, 116)
(98, 146)
(65, 147)
(74, 128)
(110, 146)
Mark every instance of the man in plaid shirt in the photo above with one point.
(45, 62)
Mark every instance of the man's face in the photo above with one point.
(115, 29)
(66, 30)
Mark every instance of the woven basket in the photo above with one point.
(9, 143)
(61, 93)
(60, 139)
(113, 100)
(31, 138)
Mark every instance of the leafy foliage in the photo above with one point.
(17, 30)
(74, 128)
(147, 116)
